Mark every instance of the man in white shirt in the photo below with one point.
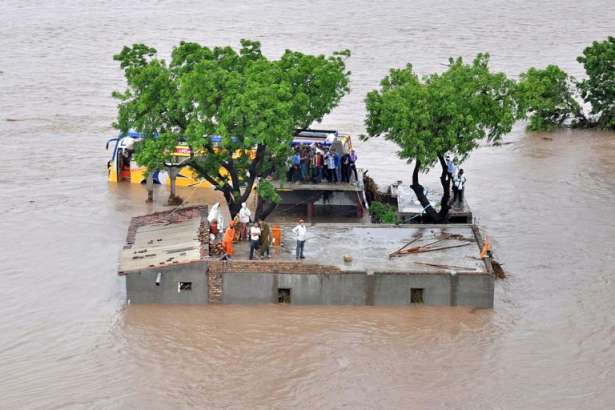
(300, 231)
(459, 182)
(255, 236)
(244, 220)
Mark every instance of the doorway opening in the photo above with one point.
(284, 295)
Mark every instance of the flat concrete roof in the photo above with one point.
(161, 239)
(369, 247)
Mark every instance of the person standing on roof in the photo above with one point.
(317, 166)
(300, 231)
(345, 168)
(451, 168)
(265, 238)
(353, 163)
(296, 166)
(213, 230)
(304, 162)
(331, 172)
(338, 166)
(244, 219)
(459, 182)
(255, 237)
(227, 241)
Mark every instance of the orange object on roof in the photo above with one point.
(276, 233)
(227, 241)
(486, 251)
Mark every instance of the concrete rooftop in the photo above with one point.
(160, 239)
(370, 246)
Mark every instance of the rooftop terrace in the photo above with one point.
(164, 238)
(446, 248)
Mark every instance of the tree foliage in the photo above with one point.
(251, 102)
(383, 213)
(442, 113)
(599, 87)
(547, 97)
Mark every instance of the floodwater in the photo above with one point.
(67, 340)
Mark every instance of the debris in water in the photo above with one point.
(497, 269)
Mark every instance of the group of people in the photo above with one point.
(315, 163)
(241, 228)
(459, 180)
(258, 233)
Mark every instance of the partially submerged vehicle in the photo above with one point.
(122, 167)
(340, 142)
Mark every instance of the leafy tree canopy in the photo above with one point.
(441, 113)
(599, 87)
(253, 103)
(547, 97)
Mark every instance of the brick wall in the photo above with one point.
(214, 285)
(204, 236)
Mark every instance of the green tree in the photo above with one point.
(547, 97)
(599, 87)
(441, 113)
(253, 103)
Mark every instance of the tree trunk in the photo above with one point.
(233, 205)
(149, 184)
(445, 181)
(173, 199)
(264, 209)
(419, 191)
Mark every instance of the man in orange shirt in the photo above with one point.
(227, 241)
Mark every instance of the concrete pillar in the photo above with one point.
(311, 210)
(370, 288)
(454, 280)
(359, 209)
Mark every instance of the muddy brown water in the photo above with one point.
(68, 341)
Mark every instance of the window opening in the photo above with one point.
(416, 295)
(184, 286)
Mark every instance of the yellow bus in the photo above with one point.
(122, 167)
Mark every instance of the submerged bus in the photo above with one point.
(122, 167)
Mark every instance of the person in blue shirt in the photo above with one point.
(338, 167)
(451, 168)
(296, 162)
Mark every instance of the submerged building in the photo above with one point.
(167, 259)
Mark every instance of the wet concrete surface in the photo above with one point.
(369, 247)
